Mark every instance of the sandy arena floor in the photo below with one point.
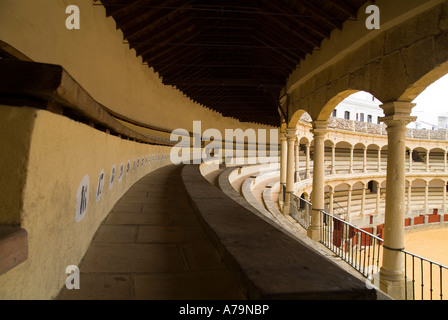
(430, 244)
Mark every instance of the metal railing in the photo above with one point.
(424, 279)
(301, 211)
(338, 210)
(359, 248)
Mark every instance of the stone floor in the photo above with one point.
(151, 246)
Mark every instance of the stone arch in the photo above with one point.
(419, 182)
(358, 185)
(295, 118)
(395, 63)
(304, 140)
(419, 155)
(438, 71)
(372, 186)
(437, 182)
(437, 156)
(358, 157)
(328, 108)
(341, 186)
(342, 157)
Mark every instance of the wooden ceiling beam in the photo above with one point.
(114, 8)
(293, 49)
(278, 23)
(213, 82)
(151, 20)
(276, 50)
(148, 54)
(184, 55)
(143, 12)
(148, 48)
(320, 14)
(163, 31)
(345, 8)
(307, 25)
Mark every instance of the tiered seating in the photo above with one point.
(342, 161)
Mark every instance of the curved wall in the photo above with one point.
(59, 154)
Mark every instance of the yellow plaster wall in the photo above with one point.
(62, 152)
(98, 59)
(15, 132)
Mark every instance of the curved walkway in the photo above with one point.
(151, 246)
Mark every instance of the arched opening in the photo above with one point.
(437, 187)
(437, 160)
(358, 199)
(361, 107)
(300, 116)
(359, 158)
(419, 159)
(343, 156)
(373, 152)
(430, 109)
(342, 201)
(328, 110)
(304, 158)
(330, 157)
(419, 199)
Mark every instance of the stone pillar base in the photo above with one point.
(396, 289)
(313, 233)
(286, 208)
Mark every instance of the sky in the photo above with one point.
(432, 102)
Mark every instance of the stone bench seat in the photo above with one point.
(268, 263)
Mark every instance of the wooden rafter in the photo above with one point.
(231, 56)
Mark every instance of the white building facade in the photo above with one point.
(360, 106)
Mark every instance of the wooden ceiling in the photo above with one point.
(231, 56)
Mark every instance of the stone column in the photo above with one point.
(333, 159)
(444, 198)
(364, 164)
(351, 159)
(349, 204)
(283, 164)
(291, 137)
(379, 160)
(297, 160)
(318, 194)
(425, 208)
(409, 196)
(427, 160)
(410, 160)
(363, 199)
(331, 204)
(378, 197)
(444, 162)
(307, 156)
(397, 117)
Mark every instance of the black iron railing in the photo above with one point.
(358, 247)
(424, 279)
(301, 211)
